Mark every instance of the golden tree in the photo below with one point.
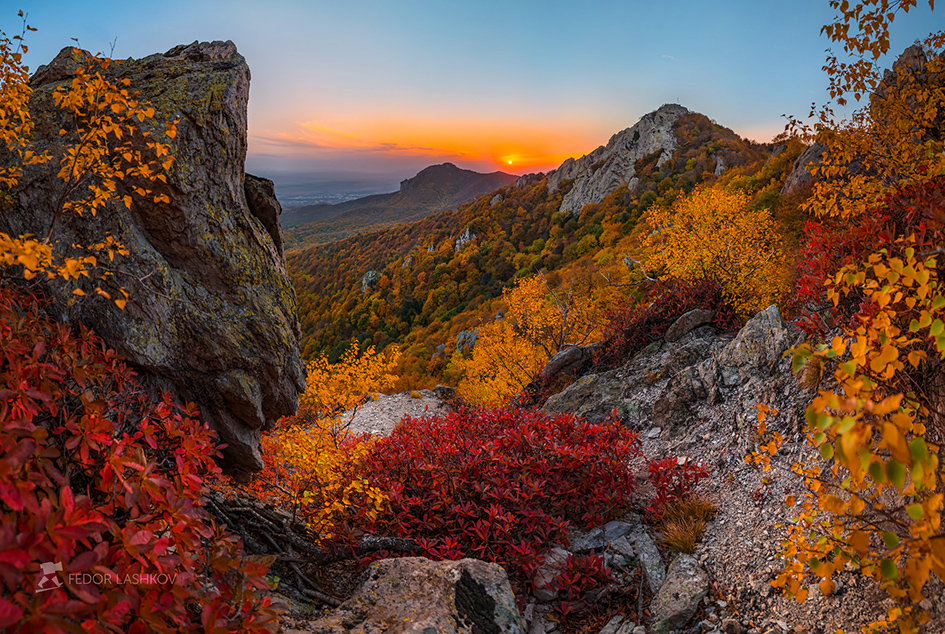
(101, 147)
(875, 500)
(714, 233)
(539, 321)
(312, 461)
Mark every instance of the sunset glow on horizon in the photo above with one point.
(375, 91)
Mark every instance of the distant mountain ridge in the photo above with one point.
(434, 189)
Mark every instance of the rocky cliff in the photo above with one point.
(212, 315)
(605, 169)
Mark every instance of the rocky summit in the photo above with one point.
(608, 167)
(212, 315)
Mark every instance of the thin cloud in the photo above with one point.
(669, 57)
(314, 136)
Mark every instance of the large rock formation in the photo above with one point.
(212, 314)
(800, 175)
(597, 174)
(413, 595)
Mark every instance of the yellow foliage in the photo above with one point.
(313, 461)
(873, 437)
(501, 364)
(539, 321)
(101, 147)
(874, 499)
(332, 388)
(713, 233)
(893, 141)
(314, 472)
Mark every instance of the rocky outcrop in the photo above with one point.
(414, 595)
(571, 359)
(800, 175)
(597, 174)
(466, 341)
(369, 280)
(688, 322)
(463, 239)
(658, 386)
(212, 315)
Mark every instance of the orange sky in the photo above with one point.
(508, 145)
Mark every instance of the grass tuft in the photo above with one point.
(683, 523)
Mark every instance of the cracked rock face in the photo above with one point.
(212, 315)
(599, 173)
(414, 595)
(685, 586)
(660, 383)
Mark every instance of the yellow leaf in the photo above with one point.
(896, 443)
(860, 542)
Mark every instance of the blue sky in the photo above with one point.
(381, 89)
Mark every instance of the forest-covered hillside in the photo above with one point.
(441, 275)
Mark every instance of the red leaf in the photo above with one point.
(10, 614)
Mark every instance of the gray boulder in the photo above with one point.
(645, 548)
(756, 350)
(413, 595)
(212, 315)
(568, 360)
(677, 600)
(598, 538)
(593, 397)
(687, 322)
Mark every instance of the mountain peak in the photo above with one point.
(438, 175)
(434, 189)
(597, 174)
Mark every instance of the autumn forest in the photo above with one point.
(606, 353)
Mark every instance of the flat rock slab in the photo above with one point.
(598, 538)
(414, 595)
(556, 561)
(685, 586)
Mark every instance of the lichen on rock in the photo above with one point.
(212, 315)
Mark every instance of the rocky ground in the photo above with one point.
(380, 413)
(694, 398)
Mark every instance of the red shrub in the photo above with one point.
(632, 326)
(582, 574)
(101, 524)
(672, 481)
(501, 485)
